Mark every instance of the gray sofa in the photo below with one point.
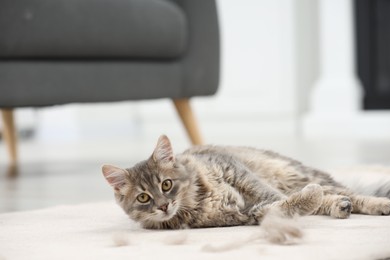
(56, 52)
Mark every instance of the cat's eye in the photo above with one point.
(166, 185)
(143, 198)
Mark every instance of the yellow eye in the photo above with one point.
(166, 185)
(143, 198)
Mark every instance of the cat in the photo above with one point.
(215, 186)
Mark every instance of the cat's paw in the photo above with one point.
(341, 207)
(314, 194)
(312, 189)
(379, 206)
(305, 202)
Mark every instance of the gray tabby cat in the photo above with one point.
(213, 186)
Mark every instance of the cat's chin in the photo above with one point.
(165, 218)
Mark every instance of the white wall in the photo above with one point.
(258, 82)
(335, 107)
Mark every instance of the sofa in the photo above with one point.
(55, 52)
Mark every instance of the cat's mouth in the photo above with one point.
(165, 215)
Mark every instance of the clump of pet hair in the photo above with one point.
(236, 244)
(178, 238)
(280, 229)
(275, 227)
(120, 239)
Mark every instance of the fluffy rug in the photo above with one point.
(102, 231)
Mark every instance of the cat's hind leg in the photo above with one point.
(334, 205)
(370, 205)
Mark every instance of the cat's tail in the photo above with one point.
(380, 188)
(369, 180)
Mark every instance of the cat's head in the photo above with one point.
(153, 190)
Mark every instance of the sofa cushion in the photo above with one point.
(91, 29)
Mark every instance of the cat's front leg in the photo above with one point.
(302, 203)
(340, 203)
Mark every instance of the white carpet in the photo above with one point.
(94, 231)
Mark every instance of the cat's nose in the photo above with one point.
(164, 207)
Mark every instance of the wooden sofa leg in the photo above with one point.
(9, 134)
(183, 108)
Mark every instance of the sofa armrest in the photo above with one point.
(201, 63)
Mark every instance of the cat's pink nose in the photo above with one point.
(164, 207)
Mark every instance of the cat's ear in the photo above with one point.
(163, 151)
(115, 176)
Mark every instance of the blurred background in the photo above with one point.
(293, 79)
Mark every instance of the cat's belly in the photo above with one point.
(219, 210)
(221, 218)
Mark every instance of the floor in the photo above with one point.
(68, 172)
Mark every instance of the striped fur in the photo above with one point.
(215, 186)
